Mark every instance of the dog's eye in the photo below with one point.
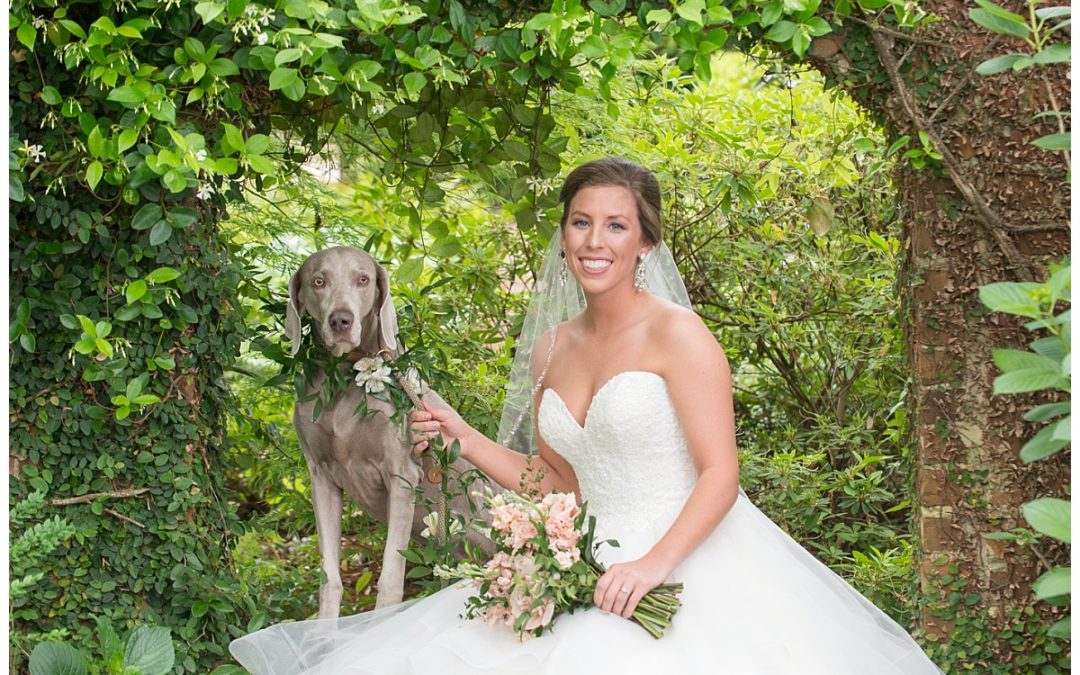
(363, 280)
(318, 282)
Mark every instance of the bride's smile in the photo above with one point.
(603, 238)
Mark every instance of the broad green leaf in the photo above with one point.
(73, 28)
(1047, 411)
(691, 10)
(93, 173)
(127, 94)
(408, 271)
(1061, 141)
(998, 64)
(16, 193)
(127, 138)
(135, 291)
(257, 144)
(175, 181)
(182, 216)
(1020, 381)
(160, 233)
(1061, 629)
(209, 11)
(146, 216)
(1015, 359)
(261, 164)
(1056, 582)
(1050, 516)
(541, 21)
(1017, 298)
(1062, 429)
(56, 658)
(149, 649)
(1059, 53)
(27, 34)
(782, 31)
(999, 11)
(1052, 347)
(162, 275)
(1043, 444)
(51, 95)
(283, 77)
(415, 82)
(287, 56)
(224, 67)
(820, 214)
(999, 24)
(95, 142)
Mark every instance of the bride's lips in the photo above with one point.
(595, 266)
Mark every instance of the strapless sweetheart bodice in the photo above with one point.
(630, 457)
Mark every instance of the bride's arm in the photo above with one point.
(512, 470)
(699, 382)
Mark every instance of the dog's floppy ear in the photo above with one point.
(294, 312)
(388, 327)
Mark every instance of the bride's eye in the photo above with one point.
(616, 226)
(580, 223)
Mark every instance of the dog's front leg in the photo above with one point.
(327, 501)
(399, 518)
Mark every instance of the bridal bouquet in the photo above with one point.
(544, 565)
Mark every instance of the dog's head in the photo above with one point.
(347, 295)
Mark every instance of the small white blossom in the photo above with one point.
(262, 38)
(372, 374)
(432, 522)
(34, 153)
(251, 10)
(541, 185)
(200, 155)
(205, 192)
(378, 109)
(38, 22)
(266, 16)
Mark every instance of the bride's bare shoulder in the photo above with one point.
(679, 330)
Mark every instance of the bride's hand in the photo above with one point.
(430, 422)
(624, 584)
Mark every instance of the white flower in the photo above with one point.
(205, 192)
(378, 109)
(34, 153)
(372, 374)
(200, 155)
(251, 10)
(262, 38)
(266, 16)
(432, 522)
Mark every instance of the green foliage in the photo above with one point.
(147, 650)
(1037, 30)
(1046, 365)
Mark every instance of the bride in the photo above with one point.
(630, 402)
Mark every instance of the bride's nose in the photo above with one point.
(594, 237)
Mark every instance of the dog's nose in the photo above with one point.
(341, 320)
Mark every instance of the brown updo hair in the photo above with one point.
(621, 173)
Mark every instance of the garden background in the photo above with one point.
(840, 181)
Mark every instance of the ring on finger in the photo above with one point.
(624, 589)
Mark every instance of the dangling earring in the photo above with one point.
(564, 271)
(639, 274)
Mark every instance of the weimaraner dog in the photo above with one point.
(347, 295)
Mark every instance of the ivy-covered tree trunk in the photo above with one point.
(992, 208)
(124, 434)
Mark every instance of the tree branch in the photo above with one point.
(990, 221)
(85, 499)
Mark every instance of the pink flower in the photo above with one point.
(541, 616)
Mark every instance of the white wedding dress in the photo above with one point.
(754, 602)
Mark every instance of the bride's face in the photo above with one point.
(603, 237)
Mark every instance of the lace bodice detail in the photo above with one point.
(630, 457)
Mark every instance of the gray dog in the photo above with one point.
(347, 295)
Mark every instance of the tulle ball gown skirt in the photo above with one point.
(754, 603)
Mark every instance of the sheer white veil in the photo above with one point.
(553, 302)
